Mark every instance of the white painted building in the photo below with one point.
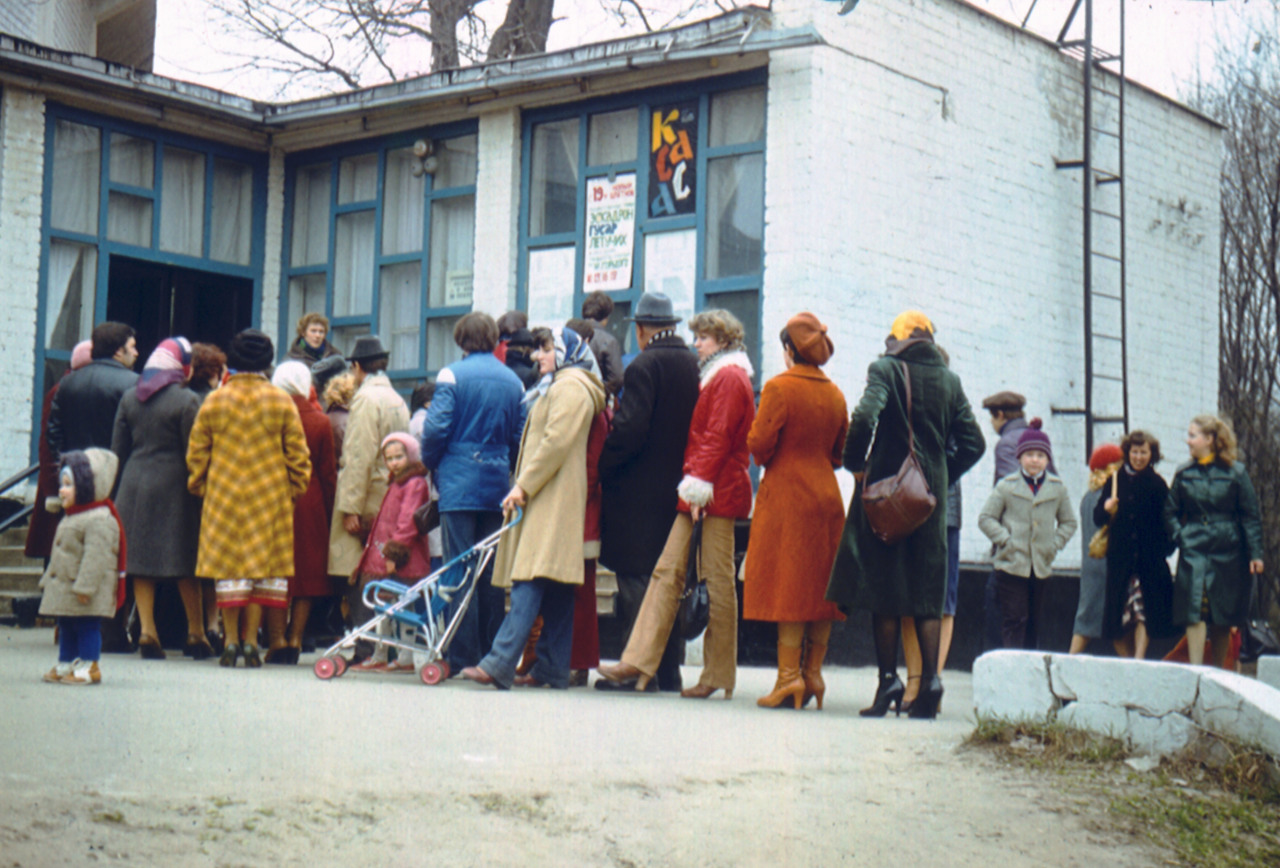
(901, 156)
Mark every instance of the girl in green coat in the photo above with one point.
(1212, 516)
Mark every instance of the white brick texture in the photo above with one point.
(274, 248)
(497, 210)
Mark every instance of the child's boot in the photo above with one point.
(83, 674)
(56, 674)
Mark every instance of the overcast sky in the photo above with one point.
(1169, 42)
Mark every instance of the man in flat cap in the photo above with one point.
(376, 411)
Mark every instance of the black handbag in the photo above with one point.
(695, 604)
(1256, 637)
(427, 517)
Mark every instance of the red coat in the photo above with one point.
(393, 528)
(798, 438)
(715, 458)
(314, 510)
(44, 524)
(595, 445)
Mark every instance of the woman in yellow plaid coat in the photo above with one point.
(248, 459)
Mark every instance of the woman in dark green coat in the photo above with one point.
(1212, 516)
(908, 578)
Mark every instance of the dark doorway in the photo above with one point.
(160, 301)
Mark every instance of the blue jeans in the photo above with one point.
(462, 530)
(554, 601)
(79, 638)
(953, 571)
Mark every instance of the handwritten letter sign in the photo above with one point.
(611, 223)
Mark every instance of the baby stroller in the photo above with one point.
(420, 610)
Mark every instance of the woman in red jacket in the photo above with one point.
(716, 490)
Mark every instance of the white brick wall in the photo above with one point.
(910, 164)
(497, 210)
(274, 246)
(21, 174)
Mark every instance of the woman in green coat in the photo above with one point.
(1212, 516)
(908, 578)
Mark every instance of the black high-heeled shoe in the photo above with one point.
(927, 703)
(888, 693)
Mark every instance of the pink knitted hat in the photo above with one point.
(411, 448)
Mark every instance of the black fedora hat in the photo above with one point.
(367, 347)
(654, 308)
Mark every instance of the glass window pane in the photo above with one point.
(232, 216)
(129, 219)
(554, 183)
(441, 349)
(182, 202)
(671, 267)
(400, 311)
(737, 117)
(69, 301)
(353, 256)
(745, 305)
(310, 239)
(735, 215)
(453, 234)
(133, 161)
(549, 289)
(344, 337)
(306, 295)
(455, 162)
(358, 179)
(611, 138)
(77, 168)
(403, 203)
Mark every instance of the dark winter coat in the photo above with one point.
(910, 577)
(84, 409)
(1137, 545)
(520, 364)
(643, 456)
(301, 352)
(1212, 515)
(472, 433)
(43, 523)
(161, 517)
(313, 511)
(608, 353)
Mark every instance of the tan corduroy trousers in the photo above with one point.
(662, 600)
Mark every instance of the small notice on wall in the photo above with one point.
(458, 288)
(611, 233)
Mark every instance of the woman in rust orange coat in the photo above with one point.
(798, 438)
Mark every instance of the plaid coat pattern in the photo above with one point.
(248, 459)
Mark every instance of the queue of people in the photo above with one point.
(280, 485)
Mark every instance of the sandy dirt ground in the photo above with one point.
(179, 763)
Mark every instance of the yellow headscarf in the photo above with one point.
(907, 322)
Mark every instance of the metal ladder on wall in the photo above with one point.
(1106, 388)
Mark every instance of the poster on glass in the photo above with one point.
(610, 241)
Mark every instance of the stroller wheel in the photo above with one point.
(434, 673)
(340, 665)
(325, 668)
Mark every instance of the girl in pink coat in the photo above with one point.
(394, 548)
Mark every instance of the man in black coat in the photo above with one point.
(83, 413)
(642, 463)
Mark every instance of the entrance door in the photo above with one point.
(160, 301)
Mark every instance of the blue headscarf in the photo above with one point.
(571, 352)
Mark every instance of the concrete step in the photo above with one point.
(14, 536)
(14, 556)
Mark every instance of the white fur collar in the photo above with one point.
(737, 357)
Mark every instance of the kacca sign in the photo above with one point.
(672, 167)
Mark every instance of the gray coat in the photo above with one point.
(86, 551)
(1028, 530)
(161, 518)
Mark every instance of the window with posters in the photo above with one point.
(658, 190)
(380, 237)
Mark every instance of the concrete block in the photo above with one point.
(1159, 735)
(1147, 685)
(1239, 708)
(1099, 717)
(1013, 685)
(1269, 671)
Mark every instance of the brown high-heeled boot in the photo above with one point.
(530, 655)
(789, 684)
(814, 686)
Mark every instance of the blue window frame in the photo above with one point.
(114, 188)
(380, 237)
(699, 227)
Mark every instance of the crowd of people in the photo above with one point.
(258, 488)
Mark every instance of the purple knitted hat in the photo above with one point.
(1034, 438)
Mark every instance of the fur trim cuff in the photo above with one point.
(695, 491)
(397, 553)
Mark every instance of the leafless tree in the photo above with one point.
(1246, 99)
(328, 44)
